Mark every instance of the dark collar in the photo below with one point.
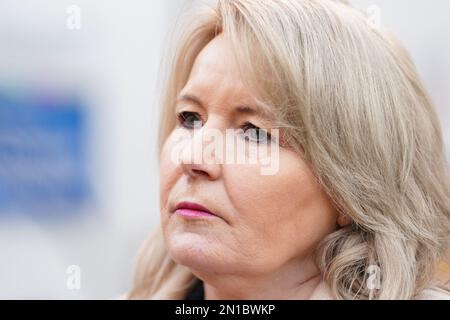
(196, 292)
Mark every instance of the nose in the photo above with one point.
(198, 157)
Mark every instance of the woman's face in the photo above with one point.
(262, 222)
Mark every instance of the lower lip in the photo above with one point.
(189, 213)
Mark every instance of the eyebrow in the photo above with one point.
(242, 109)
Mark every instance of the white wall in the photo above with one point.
(114, 59)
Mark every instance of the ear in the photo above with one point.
(343, 220)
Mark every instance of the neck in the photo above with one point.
(295, 280)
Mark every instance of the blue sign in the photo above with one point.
(42, 152)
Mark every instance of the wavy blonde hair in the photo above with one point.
(353, 107)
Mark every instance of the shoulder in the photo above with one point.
(433, 293)
(323, 292)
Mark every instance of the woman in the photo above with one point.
(358, 206)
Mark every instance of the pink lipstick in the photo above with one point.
(192, 210)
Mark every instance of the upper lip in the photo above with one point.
(192, 206)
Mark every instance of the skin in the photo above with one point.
(260, 243)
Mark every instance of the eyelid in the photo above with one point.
(254, 126)
(268, 135)
(181, 116)
(182, 113)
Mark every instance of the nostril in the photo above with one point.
(198, 171)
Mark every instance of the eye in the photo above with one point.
(253, 133)
(189, 119)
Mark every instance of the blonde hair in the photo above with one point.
(352, 105)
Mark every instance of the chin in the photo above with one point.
(194, 251)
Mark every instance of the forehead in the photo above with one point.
(216, 57)
(215, 71)
(215, 79)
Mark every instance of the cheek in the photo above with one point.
(169, 172)
(283, 209)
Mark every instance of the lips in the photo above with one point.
(192, 209)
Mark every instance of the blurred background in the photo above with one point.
(79, 176)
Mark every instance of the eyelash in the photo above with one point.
(247, 126)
